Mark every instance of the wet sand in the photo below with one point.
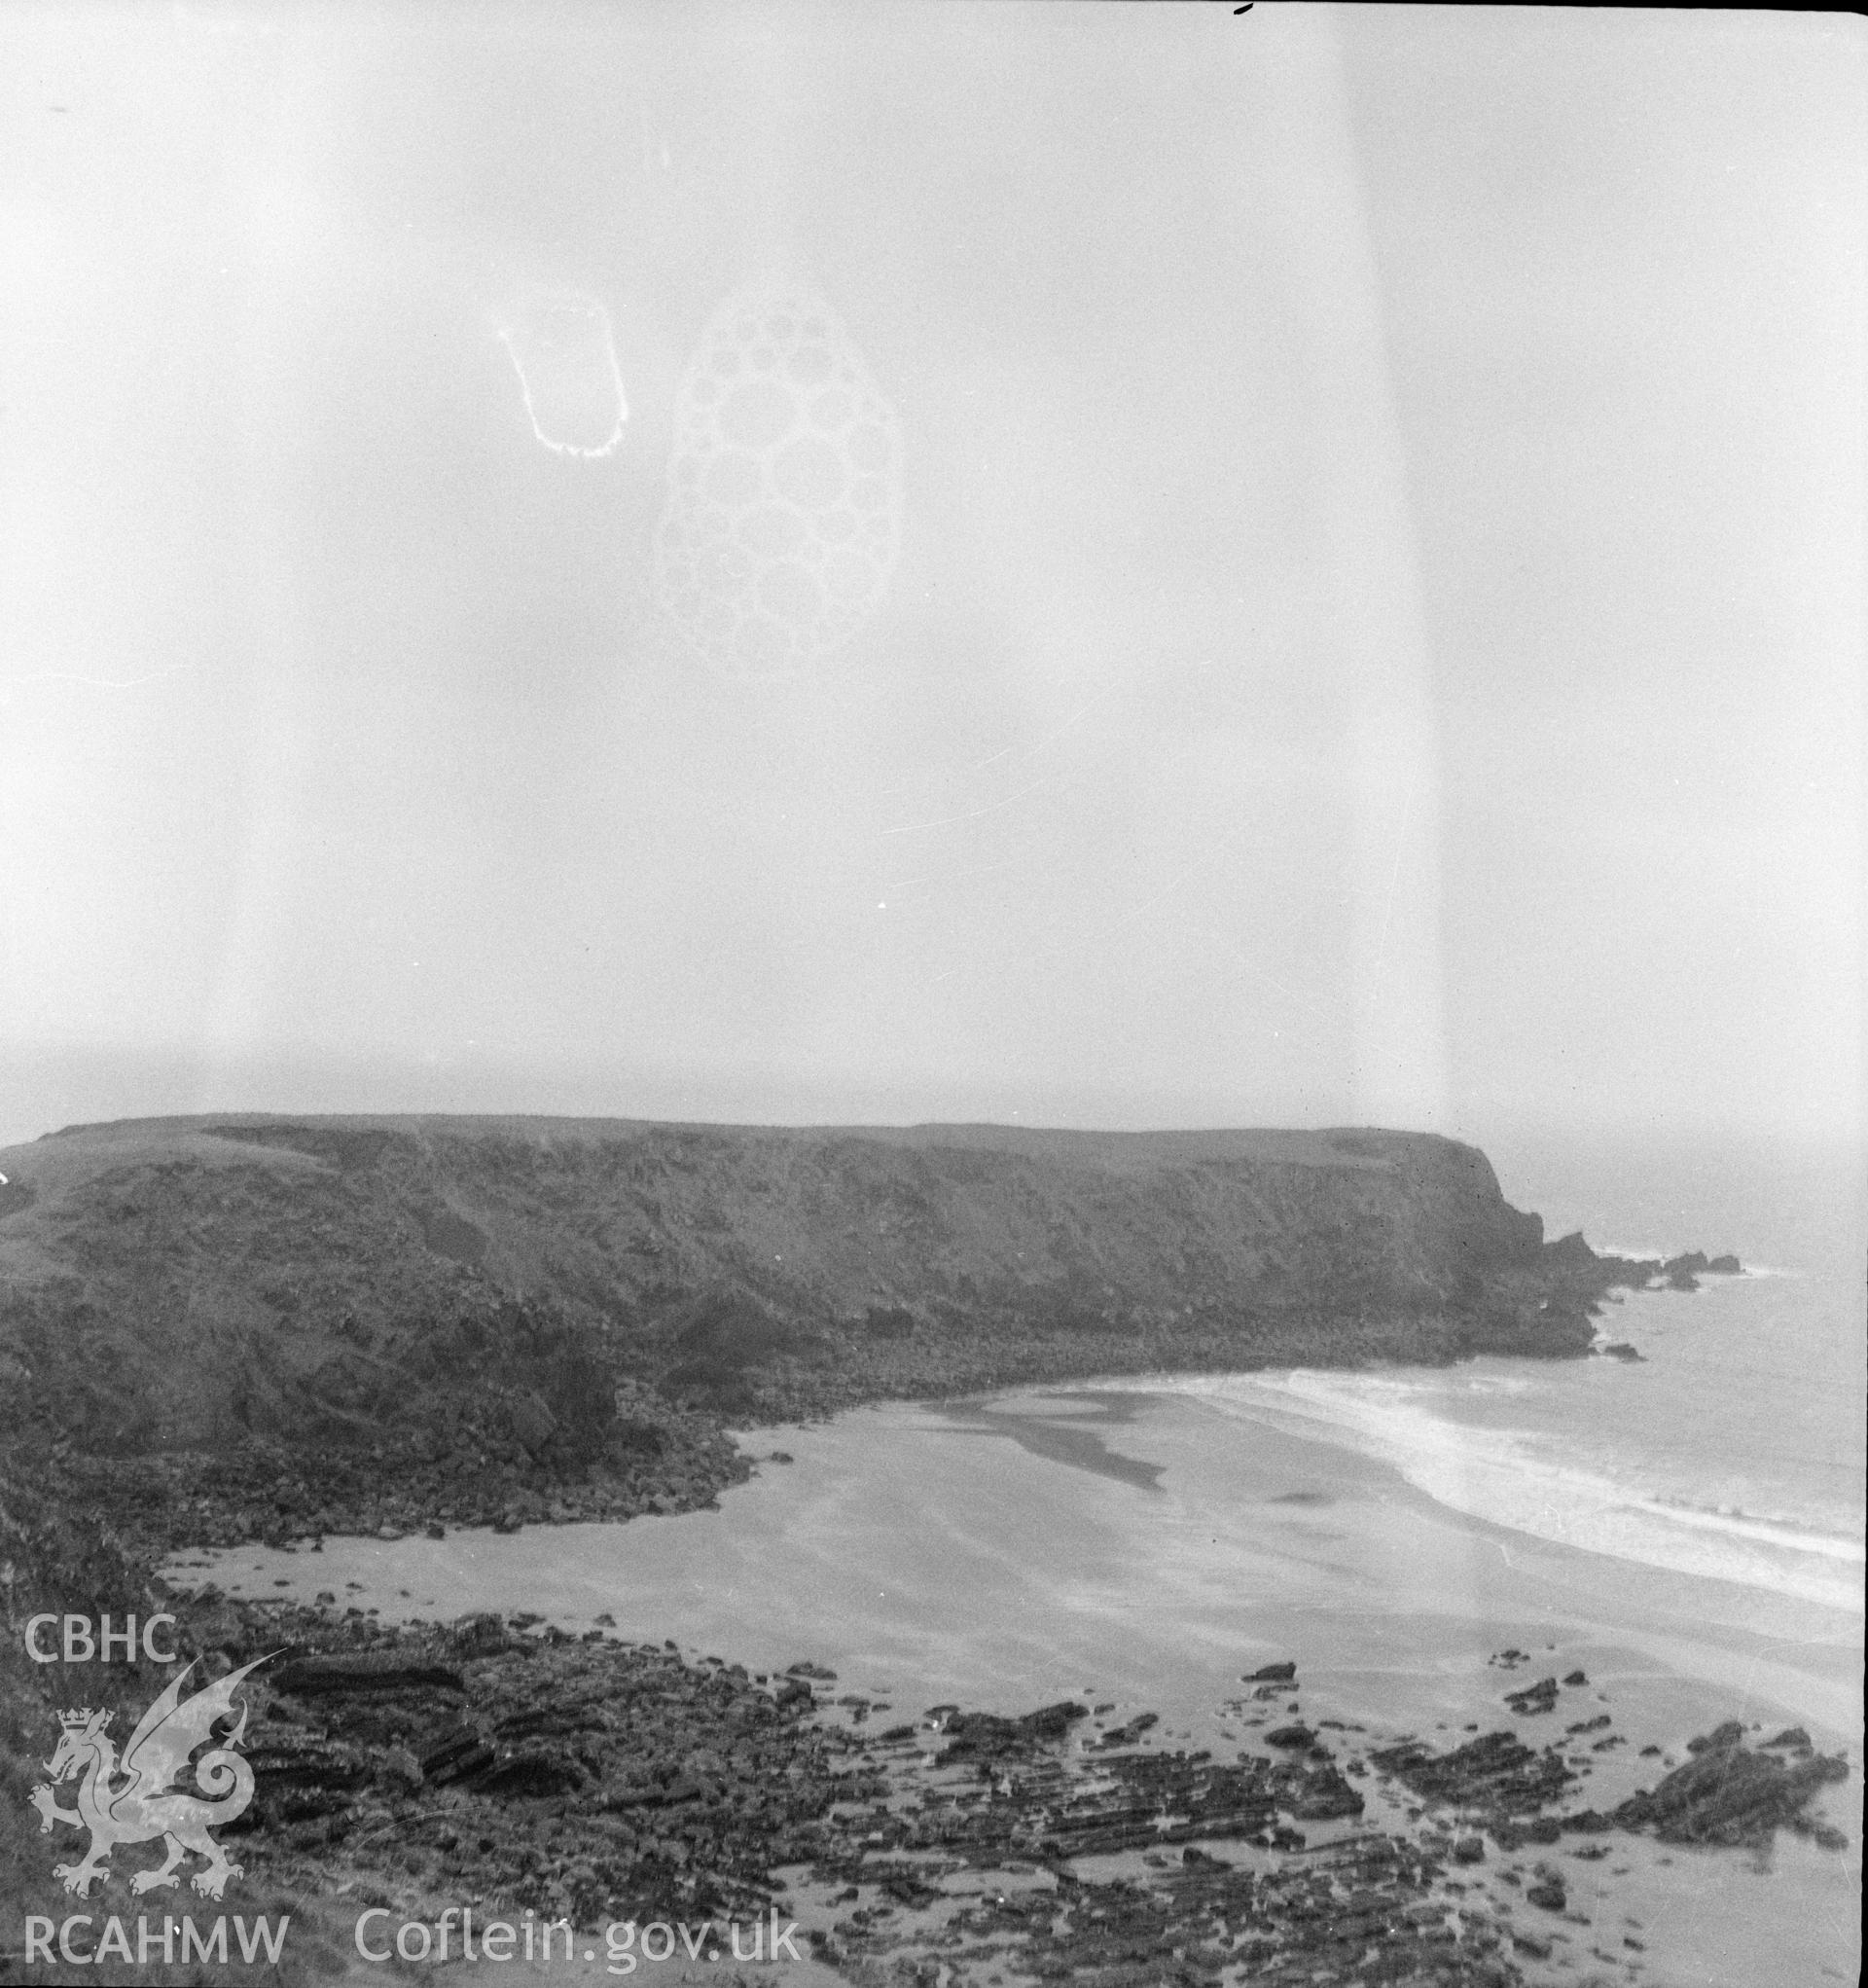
(1120, 1546)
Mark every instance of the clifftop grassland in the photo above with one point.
(305, 1325)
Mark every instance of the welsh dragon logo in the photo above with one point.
(132, 1799)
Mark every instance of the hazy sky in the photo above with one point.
(1365, 617)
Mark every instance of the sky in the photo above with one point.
(1328, 587)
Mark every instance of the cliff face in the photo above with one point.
(179, 1284)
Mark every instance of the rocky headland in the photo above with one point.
(251, 1327)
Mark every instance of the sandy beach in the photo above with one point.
(1138, 1549)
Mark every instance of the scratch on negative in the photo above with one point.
(94, 682)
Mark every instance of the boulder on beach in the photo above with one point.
(366, 1671)
(1730, 1793)
(1497, 1774)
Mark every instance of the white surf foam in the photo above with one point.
(1739, 1524)
(1515, 1477)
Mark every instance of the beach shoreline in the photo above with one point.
(661, 1565)
(1124, 1595)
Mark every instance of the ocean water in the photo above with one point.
(1736, 1450)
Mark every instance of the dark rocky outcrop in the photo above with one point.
(985, 1735)
(393, 1670)
(1725, 1793)
(1729, 1792)
(1497, 1775)
(1680, 1272)
(1548, 1892)
(1534, 1698)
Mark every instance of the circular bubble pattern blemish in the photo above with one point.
(782, 441)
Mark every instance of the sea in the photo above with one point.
(1739, 1447)
(1733, 1450)
(1736, 1448)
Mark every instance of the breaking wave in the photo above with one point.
(1547, 1484)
